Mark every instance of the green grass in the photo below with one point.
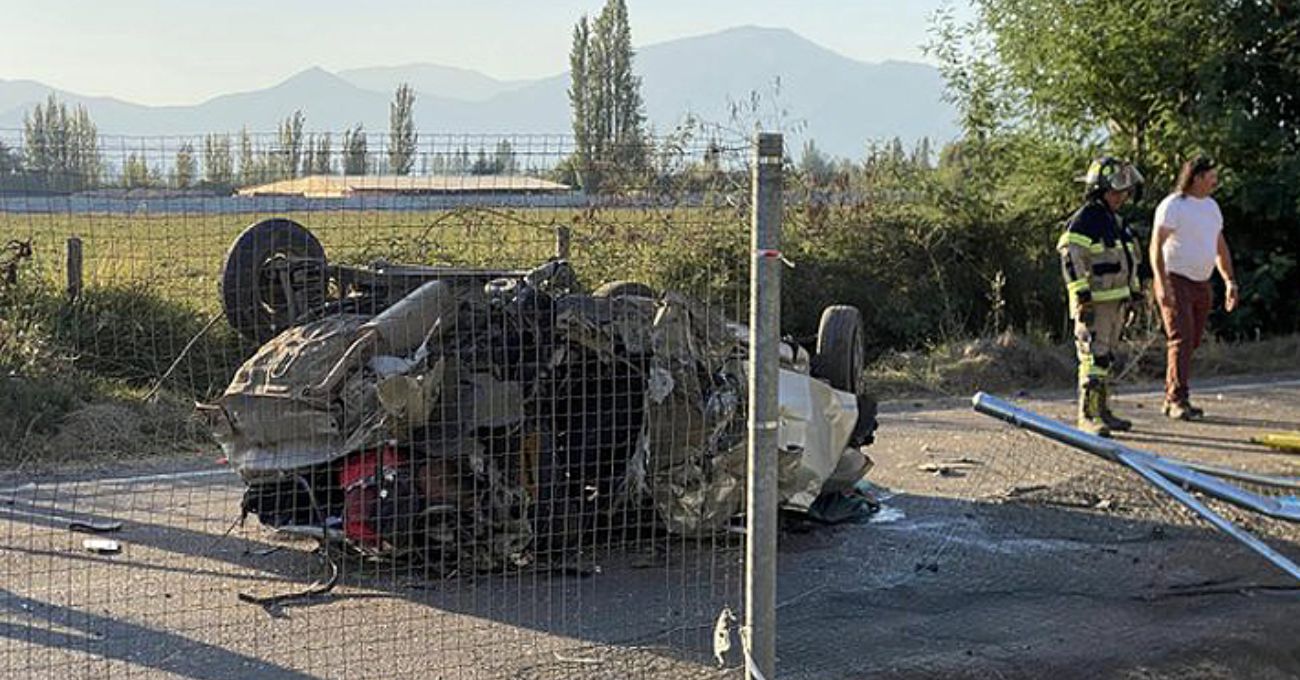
(179, 256)
(74, 374)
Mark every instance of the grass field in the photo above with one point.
(178, 256)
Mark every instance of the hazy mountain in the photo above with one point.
(447, 81)
(843, 102)
(798, 86)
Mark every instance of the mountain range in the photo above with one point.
(739, 77)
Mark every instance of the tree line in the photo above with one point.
(61, 151)
(959, 240)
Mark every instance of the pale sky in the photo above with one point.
(185, 51)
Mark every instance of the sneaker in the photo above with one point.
(1182, 410)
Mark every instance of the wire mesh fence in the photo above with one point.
(273, 409)
(276, 409)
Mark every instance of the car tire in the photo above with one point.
(841, 357)
(253, 304)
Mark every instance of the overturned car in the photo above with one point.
(485, 419)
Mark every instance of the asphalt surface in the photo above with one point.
(997, 554)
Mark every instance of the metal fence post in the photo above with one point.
(764, 356)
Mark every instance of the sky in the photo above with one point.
(186, 51)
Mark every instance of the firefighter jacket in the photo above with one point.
(1099, 257)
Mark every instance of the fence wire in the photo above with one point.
(312, 407)
(278, 409)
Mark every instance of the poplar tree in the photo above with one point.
(402, 137)
(288, 157)
(61, 150)
(605, 97)
(218, 166)
(354, 151)
(185, 167)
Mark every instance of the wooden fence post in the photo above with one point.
(74, 268)
(563, 239)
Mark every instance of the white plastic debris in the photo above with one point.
(102, 546)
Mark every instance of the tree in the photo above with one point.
(218, 166)
(1125, 67)
(184, 168)
(481, 165)
(62, 150)
(354, 151)
(85, 160)
(580, 95)
(1044, 84)
(504, 160)
(10, 162)
(288, 156)
(605, 97)
(922, 155)
(322, 163)
(814, 165)
(402, 138)
(250, 170)
(135, 172)
(11, 168)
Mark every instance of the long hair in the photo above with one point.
(1191, 170)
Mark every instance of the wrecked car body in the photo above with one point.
(488, 424)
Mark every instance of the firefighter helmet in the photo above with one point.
(1112, 174)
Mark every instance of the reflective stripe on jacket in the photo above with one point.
(1099, 256)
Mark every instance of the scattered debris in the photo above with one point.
(722, 635)
(956, 467)
(317, 589)
(587, 660)
(94, 527)
(102, 546)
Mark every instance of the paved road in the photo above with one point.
(1025, 560)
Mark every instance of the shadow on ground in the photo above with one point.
(934, 588)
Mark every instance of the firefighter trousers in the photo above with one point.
(1096, 337)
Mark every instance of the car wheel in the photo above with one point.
(253, 293)
(841, 357)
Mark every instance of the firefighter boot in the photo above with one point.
(1090, 407)
(1113, 422)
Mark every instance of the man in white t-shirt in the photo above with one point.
(1188, 246)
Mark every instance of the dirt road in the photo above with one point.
(1016, 559)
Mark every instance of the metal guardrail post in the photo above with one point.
(759, 634)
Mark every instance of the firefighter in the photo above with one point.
(1099, 258)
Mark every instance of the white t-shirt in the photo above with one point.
(1194, 225)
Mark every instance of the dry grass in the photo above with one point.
(1010, 362)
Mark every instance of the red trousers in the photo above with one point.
(1184, 326)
